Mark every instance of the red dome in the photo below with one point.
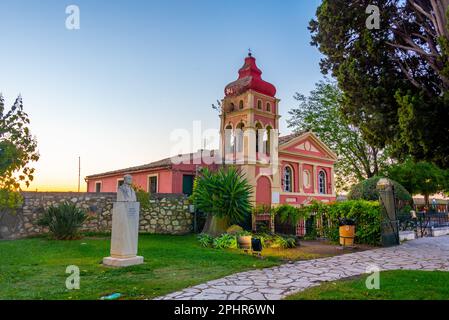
(250, 78)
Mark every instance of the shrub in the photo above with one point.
(366, 215)
(228, 241)
(366, 190)
(225, 241)
(224, 195)
(234, 229)
(63, 221)
(290, 214)
(142, 197)
(276, 241)
(205, 240)
(283, 242)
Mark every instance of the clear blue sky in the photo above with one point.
(113, 91)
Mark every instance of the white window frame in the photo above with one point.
(323, 174)
(95, 186)
(116, 185)
(285, 180)
(157, 182)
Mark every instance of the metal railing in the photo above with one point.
(423, 222)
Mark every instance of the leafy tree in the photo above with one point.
(17, 147)
(224, 195)
(420, 178)
(320, 112)
(394, 79)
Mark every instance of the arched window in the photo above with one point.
(322, 182)
(259, 104)
(241, 104)
(267, 140)
(268, 107)
(239, 137)
(258, 136)
(288, 176)
(229, 139)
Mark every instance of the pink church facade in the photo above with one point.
(293, 169)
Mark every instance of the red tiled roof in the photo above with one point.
(290, 137)
(164, 163)
(167, 162)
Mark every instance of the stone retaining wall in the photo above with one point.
(166, 213)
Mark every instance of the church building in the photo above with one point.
(293, 169)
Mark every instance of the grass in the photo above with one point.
(394, 285)
(35, 268)
(293, 254)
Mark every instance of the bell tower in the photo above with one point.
(249, 123)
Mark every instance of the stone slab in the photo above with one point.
(438, 232)
(406, 235)
(122, 262)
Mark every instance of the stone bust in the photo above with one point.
(125, 192)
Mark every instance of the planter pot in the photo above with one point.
(256, 244)
(244, 242)
(347, 234)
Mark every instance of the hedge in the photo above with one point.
(366, 190)
(366, 214)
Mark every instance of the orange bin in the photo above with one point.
(347, 234)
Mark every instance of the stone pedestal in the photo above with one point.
(125, 232)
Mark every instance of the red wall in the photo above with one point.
(169, 179)
(109, 183)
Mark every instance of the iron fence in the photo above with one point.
(423, 222)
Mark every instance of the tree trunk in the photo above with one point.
(215, 226)
(426, 201)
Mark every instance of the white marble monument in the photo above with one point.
(125, 228)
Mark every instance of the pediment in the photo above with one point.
(309, 144)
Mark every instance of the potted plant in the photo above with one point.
(347, 231)
(244, 240)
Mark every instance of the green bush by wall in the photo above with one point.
(367, 216)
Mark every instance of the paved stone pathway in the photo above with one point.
(277, 282)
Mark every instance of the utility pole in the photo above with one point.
(79, 172)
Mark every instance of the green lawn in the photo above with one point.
(394, 285)
(35, 268)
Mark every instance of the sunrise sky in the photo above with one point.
(113, 91)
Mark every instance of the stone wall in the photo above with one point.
(166, 213)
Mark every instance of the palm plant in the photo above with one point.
(224, 195)
(63, 221)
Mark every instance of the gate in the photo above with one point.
(389, 221)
